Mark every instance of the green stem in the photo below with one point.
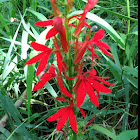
(128, 11)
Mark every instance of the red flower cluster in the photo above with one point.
(86, 82)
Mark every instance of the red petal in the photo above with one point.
(62, 120)
(40, 84)
(98, 94)
(79, 28)
(39, 47)
(42, 63)
(99, 34)
(47, 76)
(57, 115)
(72, 121)
(105, 82)
(44, 23)
(35, 59)
(82, 112)
(59, 61)
(90, 5)
(64, 41)
(72, 25)
(52, 69)
(102, 45)
(81, 93)
(51, 33)
(99, 87)
(92, 73)
(92, 94)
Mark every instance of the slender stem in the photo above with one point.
(69, 60)
(128, 11)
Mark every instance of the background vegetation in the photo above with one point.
(117, 116)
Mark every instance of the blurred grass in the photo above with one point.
(118, 110)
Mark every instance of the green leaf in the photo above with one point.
(50, 89)
(132, 80)
(39, 15)
(30, 74)
(127, 135)
(5, 132)
(130, 70)
(4, 1)
(103, 130)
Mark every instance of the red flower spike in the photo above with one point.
(45, 78)
(63, 115)
(55, 8)
(42, 57)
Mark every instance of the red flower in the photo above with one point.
(88, 44)
(88, 6)
(45, 78)
(42, 57)
(96, 41)
(63, 115)
(58, 27)
(87, 83)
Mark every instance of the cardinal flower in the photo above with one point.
(58, 27)
(89, 83)
(64, 114)
(88, 6)
(88, 44)
(45, 78)
(42, 57)
(96, 41)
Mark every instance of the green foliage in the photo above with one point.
(117, 115)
